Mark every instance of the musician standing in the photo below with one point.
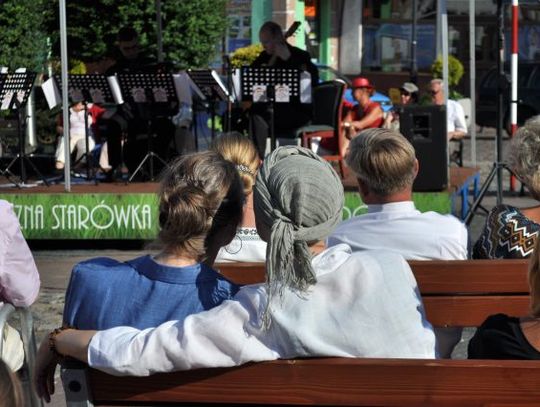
(287, 116)
(130, 120)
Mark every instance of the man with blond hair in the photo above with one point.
(385, 167)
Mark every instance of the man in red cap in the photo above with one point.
(367, 114)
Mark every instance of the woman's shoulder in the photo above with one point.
(498, 238)
(98, 266)
(500, 337)
(504, 209)
(499, 321)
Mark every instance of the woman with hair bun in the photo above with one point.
(200, 207)
(247, 244)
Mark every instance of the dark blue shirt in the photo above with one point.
(104, 293)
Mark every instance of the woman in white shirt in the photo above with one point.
(78, 129)
(337, 304)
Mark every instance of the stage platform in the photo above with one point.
(129, 211)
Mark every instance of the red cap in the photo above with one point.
(361, 82)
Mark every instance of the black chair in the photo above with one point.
(326, 122)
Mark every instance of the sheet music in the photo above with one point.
(97, 96)
(16, 87)
(52, 94)
(115, 89)
(220, 83)
(236, 85)
(305, 87)
(182, 83)
(259, 93)
(283, 93)
(6, 101)
(76, 95)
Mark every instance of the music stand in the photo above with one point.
(84, 88)
(270, 85)
(210, 85)
(14, 94)
(145, 89)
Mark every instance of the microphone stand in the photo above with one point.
(228, 71)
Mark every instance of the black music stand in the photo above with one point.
(14, 94)
(270, 85)
(6, 172)
(147, 90)
(87, 88)
(211, 86)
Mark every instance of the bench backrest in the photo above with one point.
(455, 292)
(331, 381)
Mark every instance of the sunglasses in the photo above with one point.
(433, 92)
(405, 93)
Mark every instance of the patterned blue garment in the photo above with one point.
(508, 234)
(105, 293)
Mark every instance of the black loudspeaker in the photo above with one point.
(425, 128)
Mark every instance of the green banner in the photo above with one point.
(86, 216)
(133, 216)
(429, 201)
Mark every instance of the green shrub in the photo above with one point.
(246, 55)
(455, 69)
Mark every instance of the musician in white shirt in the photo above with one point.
(79, 129)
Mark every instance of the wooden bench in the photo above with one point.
(455, 293)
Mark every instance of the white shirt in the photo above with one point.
(363, 305)
(76, 122)
(399, 227)
(19, 277)
(247, 246)
(455, 117)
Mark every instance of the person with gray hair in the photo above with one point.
(511, 232)
(333, 304)
(456, 125)
(385, 167)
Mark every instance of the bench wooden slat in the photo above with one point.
(471, 276)
(243, 273)
(434, 276)
(334, 381)
(471, 311)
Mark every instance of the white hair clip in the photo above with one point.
(243, 168)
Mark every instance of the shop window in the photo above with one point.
(387, 47)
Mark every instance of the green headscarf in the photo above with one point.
(298, 199)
